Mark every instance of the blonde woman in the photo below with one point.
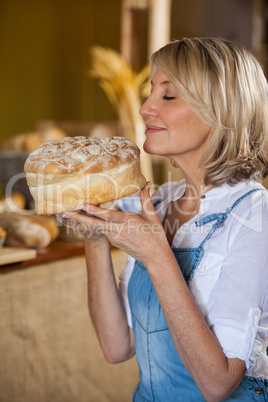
(193, 299)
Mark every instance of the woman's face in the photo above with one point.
(172, 127)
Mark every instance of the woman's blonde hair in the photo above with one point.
(226, 87)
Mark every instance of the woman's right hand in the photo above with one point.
(80, 224)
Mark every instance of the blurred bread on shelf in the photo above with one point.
(18, 200)
(3, 235)
(29, 141)
(13, 153)
(12, 176)
(28, 230)
(16, 203)
(23, 228)
(79, 128)
(53, 130)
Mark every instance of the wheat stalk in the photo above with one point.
(125, 90)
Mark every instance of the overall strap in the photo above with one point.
(157, 202)
(222, 216)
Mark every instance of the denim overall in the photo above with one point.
(163, 376)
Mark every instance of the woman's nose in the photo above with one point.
(148, 108)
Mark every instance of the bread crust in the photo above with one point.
(63, 175)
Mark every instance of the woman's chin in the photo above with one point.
(152, 149)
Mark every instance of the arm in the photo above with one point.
(201, 353)
(105, 304)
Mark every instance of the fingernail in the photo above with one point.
(86, 206)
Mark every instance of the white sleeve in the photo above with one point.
(123, 287)
(237, 308)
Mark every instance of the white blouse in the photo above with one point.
(230, 285)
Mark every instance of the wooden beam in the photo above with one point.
(159, 24)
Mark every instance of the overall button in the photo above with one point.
(256, 313)
(258, 391)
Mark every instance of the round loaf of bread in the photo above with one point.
(62, 175)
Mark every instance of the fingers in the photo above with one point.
(104, 214)
(87, 211)
(90, 211)
(93, 218)
(120, 216)
(146, 202)
(84, 224)
(74, 220)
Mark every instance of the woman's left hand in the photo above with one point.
(138, 234)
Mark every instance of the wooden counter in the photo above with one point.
(48, 346)
(55, 251)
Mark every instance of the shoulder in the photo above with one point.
(242, 198)
(248, 201)
(247, 229)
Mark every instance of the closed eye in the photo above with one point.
(168, 98)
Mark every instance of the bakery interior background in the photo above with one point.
(45, 59)
(48, 346)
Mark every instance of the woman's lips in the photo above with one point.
(151, 129)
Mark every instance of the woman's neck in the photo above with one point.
(195, 184)
(193, 174)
